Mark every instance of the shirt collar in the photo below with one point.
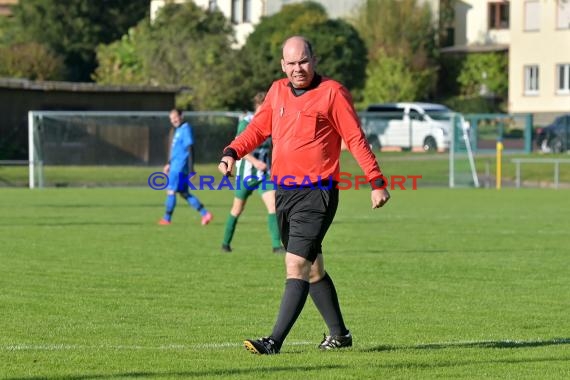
(300, 91)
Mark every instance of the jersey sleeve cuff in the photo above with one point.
(230, 152)
(378, 183)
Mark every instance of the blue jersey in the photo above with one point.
(182, 140)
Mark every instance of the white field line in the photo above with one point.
(167, 347)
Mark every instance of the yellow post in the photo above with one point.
(499, 160)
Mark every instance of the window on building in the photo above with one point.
(236, 12)
(499, 15)
(246, 11)
(563, 14)
(531, 79)
(563, 75)
(532, 15)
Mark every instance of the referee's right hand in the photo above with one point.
(226, 166)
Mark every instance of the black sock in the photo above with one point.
(325, 298)
(292, 303)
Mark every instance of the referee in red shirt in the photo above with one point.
(307, 115)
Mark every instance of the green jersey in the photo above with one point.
(244, 168)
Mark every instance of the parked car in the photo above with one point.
(408, 125)
(555, 137)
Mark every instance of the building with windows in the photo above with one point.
(534, 33)
(480, 26)
(245, 14)
(536, 36)
(539, 57)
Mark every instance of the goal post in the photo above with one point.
(462, 169)
(117, 138)
(32, 155)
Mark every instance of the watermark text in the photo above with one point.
(346, 181)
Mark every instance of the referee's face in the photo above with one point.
(298, 63)
(175, 119)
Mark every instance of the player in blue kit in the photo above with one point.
(180, 164)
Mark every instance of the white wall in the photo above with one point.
(546, 48)
(335, 9)
(242, 29)
(472, 24)
(155, 5)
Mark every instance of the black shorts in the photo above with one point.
(304, 216)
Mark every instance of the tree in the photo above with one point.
(30, 61)
(120, 62)
(74, 28)
(402, 31)
(340, 51)
(9, 31)
(185, 46)
(484, 74)
(400, 85)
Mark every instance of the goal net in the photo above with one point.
(98, 139)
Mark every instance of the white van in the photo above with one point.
(408, 126)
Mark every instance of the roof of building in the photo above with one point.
(26, 84)
(479, 48)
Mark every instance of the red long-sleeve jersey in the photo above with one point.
(307, 131)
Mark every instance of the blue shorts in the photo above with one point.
(177, 181)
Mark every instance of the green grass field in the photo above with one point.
(434, 169)
(438, 284)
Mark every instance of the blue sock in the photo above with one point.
(195, 203)
(170, 205)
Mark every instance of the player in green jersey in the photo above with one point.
(253, 174)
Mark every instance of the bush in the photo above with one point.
(31, 61)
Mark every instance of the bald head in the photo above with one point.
(298, 62)
(296, 42)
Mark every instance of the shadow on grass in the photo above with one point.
(482, 344)
(457, 363)
(184, 374)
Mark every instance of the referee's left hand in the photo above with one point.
(379, 197)
(226, 166)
